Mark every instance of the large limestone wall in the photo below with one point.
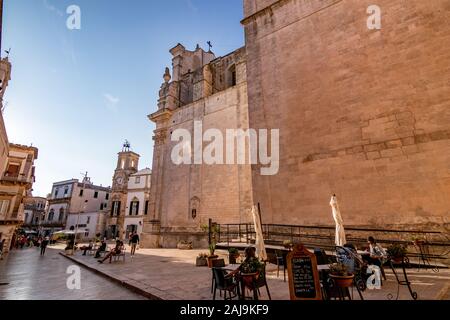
(363, 113)
(224, 191)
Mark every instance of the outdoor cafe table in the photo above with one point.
(233, 267)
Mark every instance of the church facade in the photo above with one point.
(363, 113)
(210, 91)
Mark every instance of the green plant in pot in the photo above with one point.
(288, 244)
(233, 255)
(212, 256)
(341, 276)
(397, 252)
(202, 260)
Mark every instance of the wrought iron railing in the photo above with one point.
(438, 243)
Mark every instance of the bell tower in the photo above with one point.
(127, 164)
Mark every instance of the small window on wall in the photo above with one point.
(96, 194)
(81, 192)
(56, 192)
(146, 207)
(13, 170)
(101, 206)
(138, 180)
(88, 220)
(4, 206)
(66, 191)
(51, 215)
(107, 196)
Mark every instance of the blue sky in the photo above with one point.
(78, 94)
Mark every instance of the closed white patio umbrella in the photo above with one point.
(260, 247)
(340, 232)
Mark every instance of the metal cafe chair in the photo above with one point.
(225, 284)
(217, 263)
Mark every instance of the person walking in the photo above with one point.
(2, 245)
(134, 242)
(44, 245)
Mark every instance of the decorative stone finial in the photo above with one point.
(167, 76)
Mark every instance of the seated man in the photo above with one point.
(101, 249)
(377, 255)
(116, 251)
(88, 247)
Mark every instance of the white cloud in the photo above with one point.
(112, 103)
(52, 8)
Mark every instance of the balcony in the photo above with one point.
(16, 178)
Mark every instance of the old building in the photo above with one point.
(127, 165)
(34, 213)
(362, 112)
(71, 198)
(210, 92)
(138, 197)
(16, 181)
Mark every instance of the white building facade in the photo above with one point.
(138, 196)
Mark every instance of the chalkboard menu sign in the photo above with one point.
(304, 283)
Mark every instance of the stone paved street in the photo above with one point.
(171, 274)
(24, 275)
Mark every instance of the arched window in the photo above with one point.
(51, 215)
(231, 76)
(61, 214)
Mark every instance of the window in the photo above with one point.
(132, 163)
(107, 196)
(36, 220)
(138, 180)
(56, 192)
(115, 210)
(96, 194)
(4, 207)
(101, 206)
(122, 164)
(66, 191)
(61, 215)
(88, 220)
(13, 170)
(81, 192)
(51, 215)
(146, 207)
(134, 208)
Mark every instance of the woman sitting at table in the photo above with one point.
(251, 265)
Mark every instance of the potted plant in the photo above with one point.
(288, 244)
(397, 252)
(185, 245)
(212, 256)
(340, 275)
(233, 255)
(202, 260)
